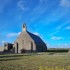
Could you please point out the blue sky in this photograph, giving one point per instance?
(50, 19)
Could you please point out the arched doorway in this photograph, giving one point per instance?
(16, 47)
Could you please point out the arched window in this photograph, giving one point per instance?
(31, 46)
(23, 41)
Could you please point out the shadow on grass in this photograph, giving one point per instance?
(18, 55)
(8, 59)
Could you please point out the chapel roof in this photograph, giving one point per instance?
(36, 38)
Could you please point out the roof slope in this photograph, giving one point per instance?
(36, 38)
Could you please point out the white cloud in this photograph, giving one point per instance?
(3, 42)
(21, 5)
(56, 38)
(62, 25)
(65, 3)
(54, 33)
(68, 27)
(58, 28)
(64, 45)
(13, 34)
(36, 33)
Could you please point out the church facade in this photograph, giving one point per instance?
(27, 42)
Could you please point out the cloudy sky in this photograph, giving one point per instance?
(50, 19)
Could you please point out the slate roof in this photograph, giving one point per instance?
(36, 38)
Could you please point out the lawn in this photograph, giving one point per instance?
(35, 61)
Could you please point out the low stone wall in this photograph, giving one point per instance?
(1, 48)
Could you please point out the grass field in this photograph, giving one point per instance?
(35, 61)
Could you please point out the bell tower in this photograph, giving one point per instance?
(24, 27)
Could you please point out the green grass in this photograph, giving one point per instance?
(34, 61)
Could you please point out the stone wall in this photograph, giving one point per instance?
(1, 48)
